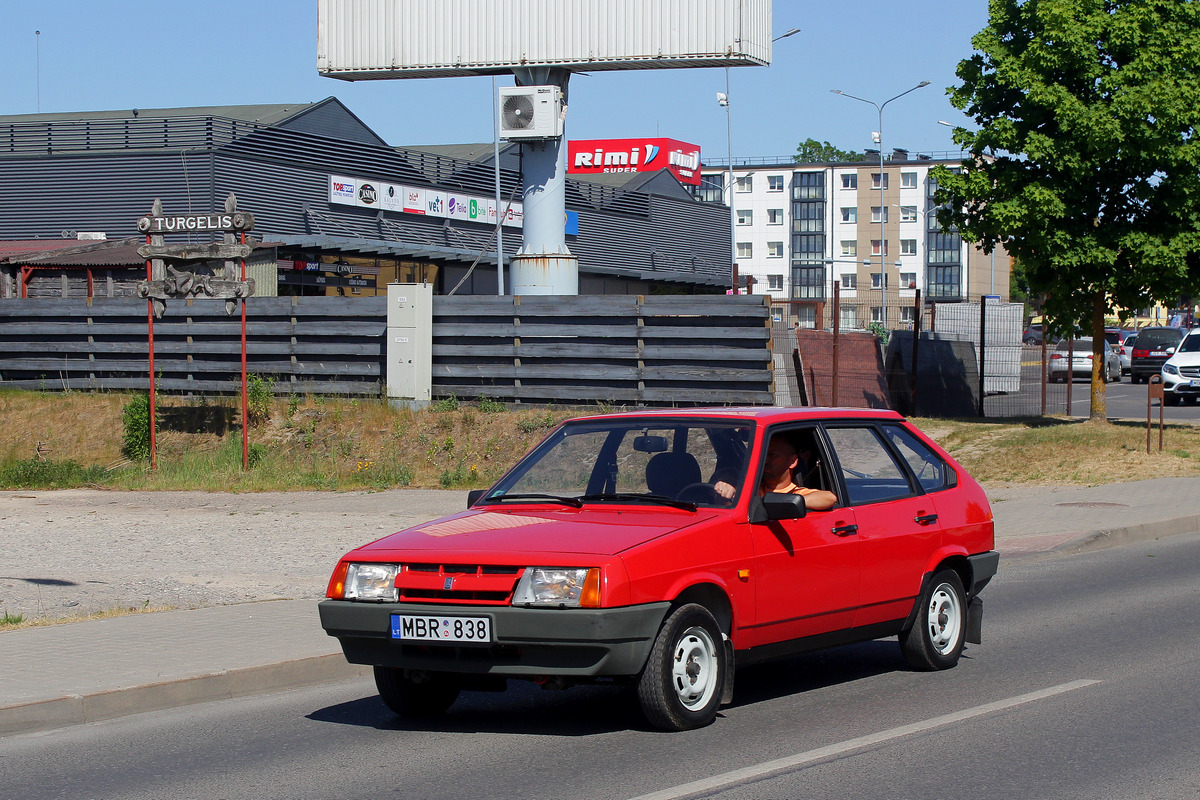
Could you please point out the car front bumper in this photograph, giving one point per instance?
(1181, 386)
(575, 642)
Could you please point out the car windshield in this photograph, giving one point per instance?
(1158, 338)
(1190, 344)
(662, 460)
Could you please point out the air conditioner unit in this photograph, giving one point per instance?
(530, 112)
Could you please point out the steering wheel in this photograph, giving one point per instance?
(702, 493)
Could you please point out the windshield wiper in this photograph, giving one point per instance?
(641, 497)
(573, 502)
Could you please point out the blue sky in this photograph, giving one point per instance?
(141, 54)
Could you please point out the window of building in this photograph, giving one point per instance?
(875, 247)
(943, 248)
(745, 216)
(876, 314)
(849, 180)
(849, 214)
(848, 317)
(850, 280)
(850, 248)
(879, 181)
(908, 280)
(808, 217)
(744, 184)
(774, 281)
(807, 316)
(808, 186)
(879, 214)
(774, 183)
(943, 282)
(875, 281)
(774, 216)
(908, 247)
(745, 250)
(808, 281)
(774, 249)
(907, 314)
(908, 213)
(808, 246)
(908, 180)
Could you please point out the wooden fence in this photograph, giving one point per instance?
(619, 349)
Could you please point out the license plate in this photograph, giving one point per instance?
(428, 628)
(1195, 383)
(1159, 353)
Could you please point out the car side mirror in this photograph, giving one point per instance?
(1170, 351)
(474, 495)
(777, 506)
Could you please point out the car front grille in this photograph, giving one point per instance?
(1190, 372)
(472, 584)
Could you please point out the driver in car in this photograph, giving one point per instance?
(782, 459)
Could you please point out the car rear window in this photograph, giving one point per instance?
(1084, 345)
(1154, 338)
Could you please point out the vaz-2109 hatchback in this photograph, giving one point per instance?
(644, 548)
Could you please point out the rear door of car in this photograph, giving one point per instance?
(897, 524)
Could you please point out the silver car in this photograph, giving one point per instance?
(1125, 350)
(1080, 361)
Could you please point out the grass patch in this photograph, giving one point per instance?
(15, 622)
(332, 444)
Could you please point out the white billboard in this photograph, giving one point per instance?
(366, 193)
(368, 39)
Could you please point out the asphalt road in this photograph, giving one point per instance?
(1085, 687)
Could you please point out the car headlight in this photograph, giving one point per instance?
(1170, 369)
(558, 586)
(375, 582)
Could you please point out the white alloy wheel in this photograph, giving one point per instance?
(944, 618)
(694, 669)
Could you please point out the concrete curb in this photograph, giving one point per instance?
(1113, 537)
(74, 709)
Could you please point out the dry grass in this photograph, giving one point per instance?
(320, 443)
(11, 623)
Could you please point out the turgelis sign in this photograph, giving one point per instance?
(611, 156)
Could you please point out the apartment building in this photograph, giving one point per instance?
(803, 231)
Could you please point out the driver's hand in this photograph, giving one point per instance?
(724, 489)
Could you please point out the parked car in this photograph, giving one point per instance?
(1154, 346)
(1125, 350)
(1033, 334)
(1181, 372)
(638, 549)
(1079, 363)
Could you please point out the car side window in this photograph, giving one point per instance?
(932, 472)
(870, 473)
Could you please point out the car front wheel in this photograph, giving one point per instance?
(415, 693)
(680, 687)
(935, 641)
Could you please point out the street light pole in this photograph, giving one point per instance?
(882, 204)
(723, 101)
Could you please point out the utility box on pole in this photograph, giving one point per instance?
(409, 343)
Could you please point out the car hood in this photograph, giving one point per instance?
(512, 531)
(1184, 359)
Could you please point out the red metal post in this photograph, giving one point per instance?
(150, 328)
(245, 397)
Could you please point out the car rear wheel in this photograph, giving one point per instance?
(680, 687)
(415, 693)
(935, 640)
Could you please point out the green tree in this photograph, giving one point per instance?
(810, 151)
(1086, 163)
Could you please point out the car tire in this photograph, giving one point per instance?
(415, 693)
(681, 685)
(935, 640)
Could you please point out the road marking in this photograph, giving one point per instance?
(780, 765)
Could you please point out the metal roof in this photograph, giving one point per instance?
(266, 114)
(383, 248)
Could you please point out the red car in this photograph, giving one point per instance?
(664, 548)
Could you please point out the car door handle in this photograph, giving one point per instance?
(844, 530)
(925, 519)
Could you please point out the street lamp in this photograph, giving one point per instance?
(882, 205)
(723, 102)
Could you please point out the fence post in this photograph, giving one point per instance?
(837, 324)
(912, 383)
(982, 341)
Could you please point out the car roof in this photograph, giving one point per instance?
(765, 414)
